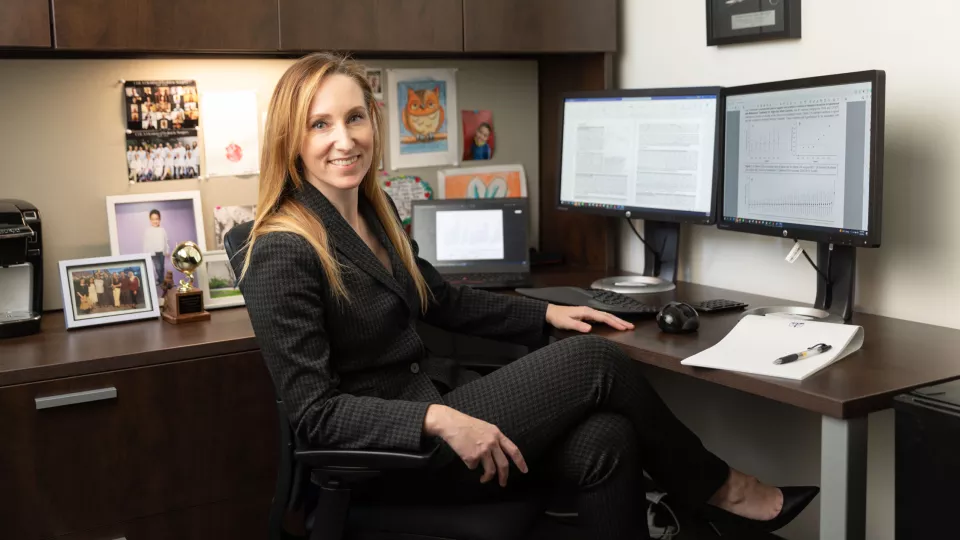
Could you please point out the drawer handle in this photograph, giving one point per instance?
(63, 400)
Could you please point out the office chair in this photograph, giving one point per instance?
(335, 472)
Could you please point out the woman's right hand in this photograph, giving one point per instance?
(475, 441)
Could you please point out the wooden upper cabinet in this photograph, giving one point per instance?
(372, 25)
(540, 26)
(24, 23)
(167, 25)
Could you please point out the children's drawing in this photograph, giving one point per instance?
(423, 132)
(404, 190)
(492, 182)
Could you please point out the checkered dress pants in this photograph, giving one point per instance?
(585, 417)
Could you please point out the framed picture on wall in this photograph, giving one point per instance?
(155, 223)
(105, 290)
(744, 21)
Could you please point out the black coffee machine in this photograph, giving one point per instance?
(21, 268)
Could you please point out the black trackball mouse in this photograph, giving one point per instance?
(678, 318)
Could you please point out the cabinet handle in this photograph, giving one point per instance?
(87, 396)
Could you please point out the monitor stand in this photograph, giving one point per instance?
(834, 302)
(659, 262)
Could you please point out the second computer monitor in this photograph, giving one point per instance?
(804, 158)
(650, 154)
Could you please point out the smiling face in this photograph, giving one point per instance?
(337, 150)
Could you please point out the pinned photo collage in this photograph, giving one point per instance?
(162, 118)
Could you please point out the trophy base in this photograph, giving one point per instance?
(193, 317)
(183, 307)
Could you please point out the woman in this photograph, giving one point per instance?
(334, 289)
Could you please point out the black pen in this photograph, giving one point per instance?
(816, 349)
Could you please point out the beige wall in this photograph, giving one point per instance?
(912, 276)
(62, 143)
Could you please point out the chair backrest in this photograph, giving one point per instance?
(235, 244)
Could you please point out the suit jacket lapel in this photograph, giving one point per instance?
(347, 242)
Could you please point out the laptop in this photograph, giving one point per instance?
(482, 243)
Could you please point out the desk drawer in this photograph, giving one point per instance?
(83, 452)
(230, 520)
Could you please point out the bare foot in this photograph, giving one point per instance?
(748, 497)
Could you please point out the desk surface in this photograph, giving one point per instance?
(896, 355)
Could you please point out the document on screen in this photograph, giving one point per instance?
(473, 235)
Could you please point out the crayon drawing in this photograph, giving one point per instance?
(423, 118)
(494, 182)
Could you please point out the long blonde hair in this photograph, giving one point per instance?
(282, 169)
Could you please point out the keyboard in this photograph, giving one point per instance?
(708, 306)
(491, 280)
(609, 301)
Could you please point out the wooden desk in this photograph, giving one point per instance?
(186, 394)
(896, 356)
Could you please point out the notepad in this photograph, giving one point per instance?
(756, 341)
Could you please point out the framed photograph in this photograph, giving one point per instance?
(375, 78)
(744, 21)
(228, 217)
(155, 223)
(218, 281)
(105, 290)
(487, 182)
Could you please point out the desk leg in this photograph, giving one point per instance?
(843, 479)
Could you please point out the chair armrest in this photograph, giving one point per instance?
(364, 459)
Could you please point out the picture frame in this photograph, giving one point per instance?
(488, 181)
(133, 227)
(218, 281)
(746, 21)
(95, 294)
(375, 78)
(422, 118)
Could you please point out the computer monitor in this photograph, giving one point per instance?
(651, 154)
(803, 159)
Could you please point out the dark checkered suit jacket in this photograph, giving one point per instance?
(356, 375)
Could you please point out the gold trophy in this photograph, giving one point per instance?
(185, 303)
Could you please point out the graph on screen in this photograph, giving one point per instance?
(792, 193)
(804, 140)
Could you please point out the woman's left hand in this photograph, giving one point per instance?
(575, 317)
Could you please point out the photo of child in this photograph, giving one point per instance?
(478, 136)
(156, 227)
(156, 243)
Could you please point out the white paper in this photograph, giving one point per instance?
(230, 133)
(422, 117)
(753, 20)
(472, 235)
(756, 341)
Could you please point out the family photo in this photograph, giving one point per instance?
(161, 105)
(102, 290)
(158, 156)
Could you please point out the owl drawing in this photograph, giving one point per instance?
(423, 114)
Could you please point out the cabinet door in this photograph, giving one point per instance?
(540, 25)
(228, 520)
(372, 25)
(140, 442)
(24, 23)
(174, 25)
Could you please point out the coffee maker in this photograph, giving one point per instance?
(21, 268)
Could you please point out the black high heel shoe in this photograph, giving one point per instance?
(795, 499)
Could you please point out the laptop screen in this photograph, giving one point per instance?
(459, 236)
